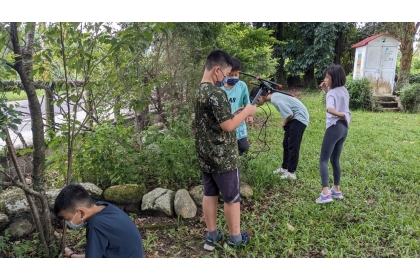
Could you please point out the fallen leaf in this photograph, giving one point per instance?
(387, 151)
(411, 142)
(324, 252)
(370, 201)
(290, 227)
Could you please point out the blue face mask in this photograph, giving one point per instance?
(232, 81)
(73, 226)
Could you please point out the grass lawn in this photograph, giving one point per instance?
(379, 216)
(11, 96)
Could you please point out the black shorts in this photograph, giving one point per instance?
(227, 183)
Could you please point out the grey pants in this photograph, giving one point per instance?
(332, 145)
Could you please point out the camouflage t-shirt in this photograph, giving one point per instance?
(217, 150)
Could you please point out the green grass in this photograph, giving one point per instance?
(379, 216)
(13, 96)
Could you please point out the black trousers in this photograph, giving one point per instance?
(293, 132)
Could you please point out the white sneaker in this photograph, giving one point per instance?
(280, 170)
(288, 175)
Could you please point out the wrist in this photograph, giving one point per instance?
(71, 254)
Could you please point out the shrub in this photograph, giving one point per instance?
(360, 91)
(410, 97)
(414, 78)
(163, 157)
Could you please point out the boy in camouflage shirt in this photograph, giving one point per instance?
(217, 150)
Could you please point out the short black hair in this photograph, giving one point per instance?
(254, 92)
(218, 57)
(337, 74)
(236, 64)
(71, 197)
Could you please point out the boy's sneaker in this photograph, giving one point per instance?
(288, 175)
(211, 243)
(324, 198)
(231, 243)
(280, 170)
(335, 194)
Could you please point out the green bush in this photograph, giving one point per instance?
(414, 78)
(360, 91)
(410, 97)
(163, 157)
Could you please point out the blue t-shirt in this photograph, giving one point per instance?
(112, 234)
(238, 98)
(287, 105)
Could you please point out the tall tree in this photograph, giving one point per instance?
(406, 32)
(22, 63)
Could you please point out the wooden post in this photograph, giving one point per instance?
(49, 108)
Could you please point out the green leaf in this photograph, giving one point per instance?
(114, 41)
(74, 98)
(13, 126)
(17, 121)
(148, 36)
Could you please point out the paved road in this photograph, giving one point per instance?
(25, 127)
(24, 107)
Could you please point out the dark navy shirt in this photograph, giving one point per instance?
(112, 234)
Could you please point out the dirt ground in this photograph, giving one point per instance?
(163, 237)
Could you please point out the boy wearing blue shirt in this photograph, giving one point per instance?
(237, 92)
(110, 232)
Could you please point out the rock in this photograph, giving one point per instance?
(246, 191)
(51, 196)
(4, 221)
(197, 194)
(20, 228)
(184, 205)
(13, 202)
(159, 200)
(125, 194)
(94, 191)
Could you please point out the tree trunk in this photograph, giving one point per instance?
(140, 119)
(23, 66)
(280, 75)
(338, 47)
(309, 79)
(406, 49)
(31, 202)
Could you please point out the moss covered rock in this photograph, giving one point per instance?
(246, 191)
(125, 194)
(4, 221)
(197, 194)
(13, 202)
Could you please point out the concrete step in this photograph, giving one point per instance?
(388, 104)
(390, 109)
(384, 97)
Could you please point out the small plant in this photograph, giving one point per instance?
(133, 216)
(360, 91)
(410, 97)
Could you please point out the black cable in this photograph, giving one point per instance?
(263, 131)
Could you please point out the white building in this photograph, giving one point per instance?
(376, 58)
